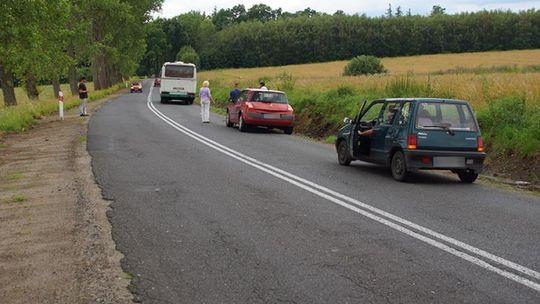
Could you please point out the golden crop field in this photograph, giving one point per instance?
(477, 87)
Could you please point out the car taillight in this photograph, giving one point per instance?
(480, 144)
(411, 141)
(249, 105)
(289, 108)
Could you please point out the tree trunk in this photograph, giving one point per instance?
(56, 86)
(99, 72)
(31, 87)
(99, 60)
(6, 81)
(73, 81)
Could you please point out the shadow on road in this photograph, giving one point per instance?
(420, 177)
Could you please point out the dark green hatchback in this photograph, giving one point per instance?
(414, 134)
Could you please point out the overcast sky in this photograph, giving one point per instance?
(173, 8)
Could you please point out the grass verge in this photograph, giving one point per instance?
(22, 116)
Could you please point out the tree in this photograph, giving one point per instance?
(261, 12)
(188, 54)
(389, 13)
(399, 12)
(437, 10)
(31, 42)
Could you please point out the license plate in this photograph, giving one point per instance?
(272, 116)
(449, 161)
(178, 89)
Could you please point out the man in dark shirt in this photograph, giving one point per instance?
(83, 97)
(233, 95)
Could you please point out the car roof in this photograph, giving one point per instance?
(424, 99)
(262, 90)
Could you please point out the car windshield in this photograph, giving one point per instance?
(269, 97)
(179, 71)
(446, 116)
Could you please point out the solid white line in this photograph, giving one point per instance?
(312, 187)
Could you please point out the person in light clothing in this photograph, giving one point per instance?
(206, 97)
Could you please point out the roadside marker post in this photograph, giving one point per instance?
(61, 104)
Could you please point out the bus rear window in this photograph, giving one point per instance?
(178, 71)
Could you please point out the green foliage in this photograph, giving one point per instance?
(489, 70)
(188, 54)
(330, 139)
(364, 65)
(275, 38)
(286, 81)
(406, 86)
(510, 125)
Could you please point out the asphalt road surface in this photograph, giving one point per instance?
(206, 214)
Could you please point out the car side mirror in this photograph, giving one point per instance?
(347, 120)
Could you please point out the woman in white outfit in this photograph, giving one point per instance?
(206, 98)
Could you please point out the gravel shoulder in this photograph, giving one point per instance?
(55, 239)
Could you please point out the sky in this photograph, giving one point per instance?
(171, 8)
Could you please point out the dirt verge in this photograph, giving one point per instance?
(55, 239)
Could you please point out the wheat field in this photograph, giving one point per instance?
(476, 87)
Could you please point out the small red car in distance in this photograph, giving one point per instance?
(256, 107)
(157, 82)
(136, 87)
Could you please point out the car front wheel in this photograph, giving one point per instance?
(399, 167)
(344, 158)
(467, 176)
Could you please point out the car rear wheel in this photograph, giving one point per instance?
(344, 158)
(163, 100)
(288, 130)
(399, 167)
(467, 176)
(242, 126)
(228, 122)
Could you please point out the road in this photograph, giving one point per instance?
(206, 214)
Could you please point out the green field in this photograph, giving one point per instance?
(503, 87)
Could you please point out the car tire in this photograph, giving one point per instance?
(398, 166)
(344, 157)
(242, 126)
(131, 91)
(163, 100)
(288, 130)
(467, 176)
(228, 122)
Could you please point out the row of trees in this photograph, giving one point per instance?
(262, 36)
(46, 40)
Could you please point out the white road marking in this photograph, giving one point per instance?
(342, 200)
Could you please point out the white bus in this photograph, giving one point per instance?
(178, 82)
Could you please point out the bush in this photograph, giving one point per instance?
(363, 65)
(188, 54)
